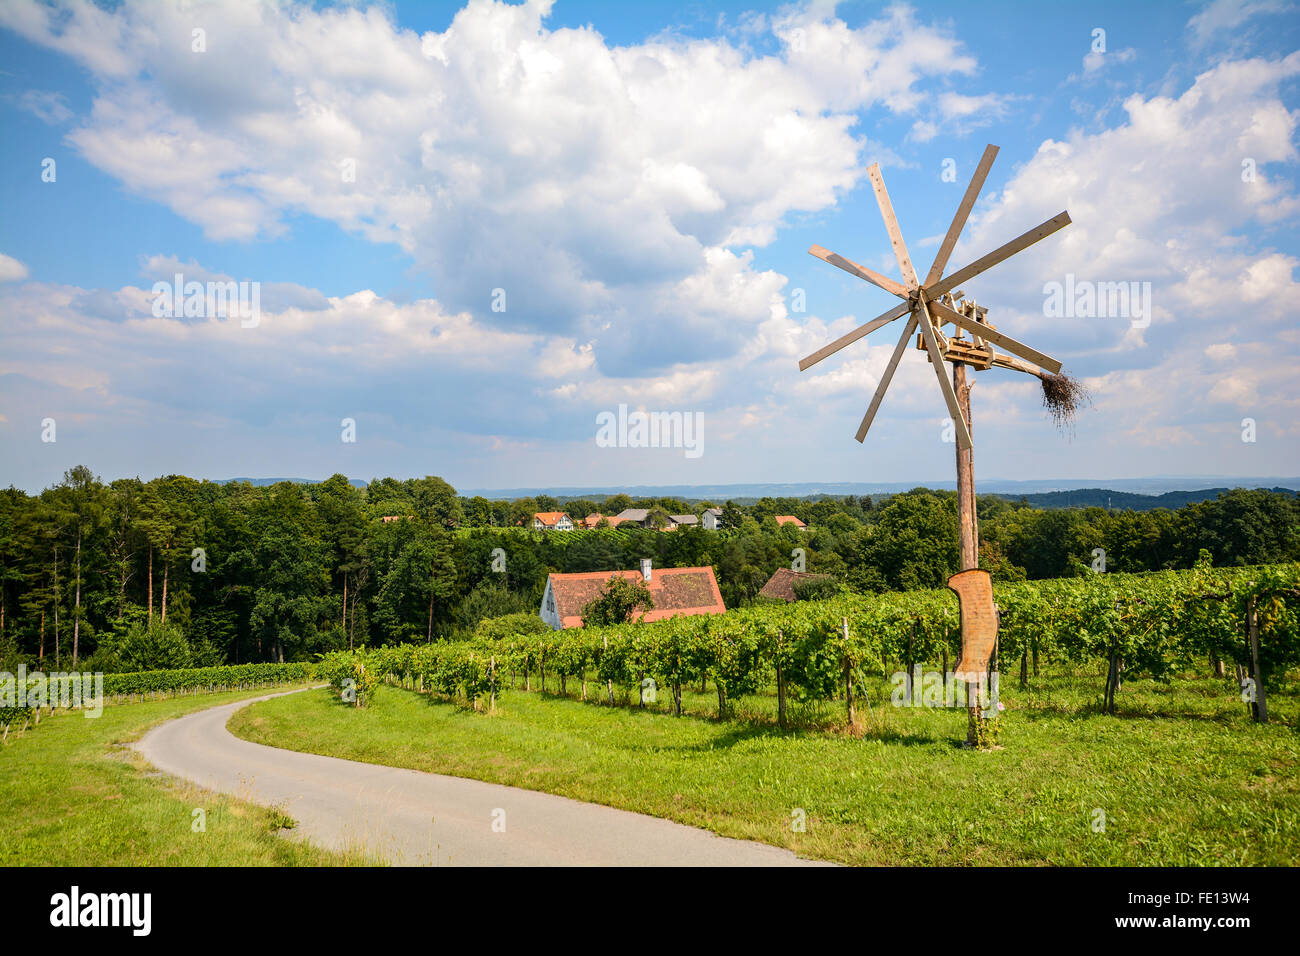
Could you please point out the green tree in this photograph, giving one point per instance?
(620, 599)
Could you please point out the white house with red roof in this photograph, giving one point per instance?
(552, 521)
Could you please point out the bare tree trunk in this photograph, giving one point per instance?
(344, 622)
(166, 567)
(41, 655)
(151, 585)
(430, 638)
(56, 606)
(76, 614)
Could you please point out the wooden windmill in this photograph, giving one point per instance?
(929, 306)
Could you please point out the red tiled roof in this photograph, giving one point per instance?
(790, 519)
(550, 517)
(675, 591)
(781, 583)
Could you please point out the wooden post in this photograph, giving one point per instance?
(967, 527)
(609, 683)
(780, 680)
(848, 676)
(1260, 707)
(492, 681)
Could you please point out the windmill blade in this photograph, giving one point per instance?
(993, 335)
(997, 255)
(891, 224)
(901, 309)
(945, 386)
(862, 272)
(959, 219)
(885, 378)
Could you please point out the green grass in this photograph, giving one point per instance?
(1182, 777)
(72, 793)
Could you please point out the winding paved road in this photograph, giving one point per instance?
(411, 818)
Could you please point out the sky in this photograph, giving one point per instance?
(477, 230)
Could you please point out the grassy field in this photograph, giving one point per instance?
(1180, 774)
(73, 794)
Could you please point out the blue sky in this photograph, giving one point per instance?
(643, 182)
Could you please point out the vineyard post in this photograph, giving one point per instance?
(492, 680)
(609, 682)
(848, 673)
(780, 678)
(1259, 706)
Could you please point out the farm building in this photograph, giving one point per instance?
(675, 591)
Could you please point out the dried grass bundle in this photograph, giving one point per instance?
(1063, 396)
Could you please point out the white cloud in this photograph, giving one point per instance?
(11, 270)
(1220, 17)
(581, 177)
(47, 106)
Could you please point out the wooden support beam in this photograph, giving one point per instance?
(886, 377)
(862, 272)
(891, 224)
(848, 339)
(941, 370)
(1007, 361)
(963, 211)
(997, 338)
(984, 263)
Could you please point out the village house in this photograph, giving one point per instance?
(675, 592)
(637, 516)
(552, 521)
(712, 519)
(791, 519)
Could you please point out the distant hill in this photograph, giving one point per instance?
(1141, 490)
(263, 482)
(1137, 494)
(1121, 500)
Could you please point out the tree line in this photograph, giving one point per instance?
(176, 572)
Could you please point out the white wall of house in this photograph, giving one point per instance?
(549, 612)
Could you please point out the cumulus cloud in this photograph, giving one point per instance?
(592, 183)
(11, 270)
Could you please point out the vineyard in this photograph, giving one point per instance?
(152, 685)
(1235, 623)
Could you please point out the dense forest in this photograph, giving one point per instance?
(178, 572)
